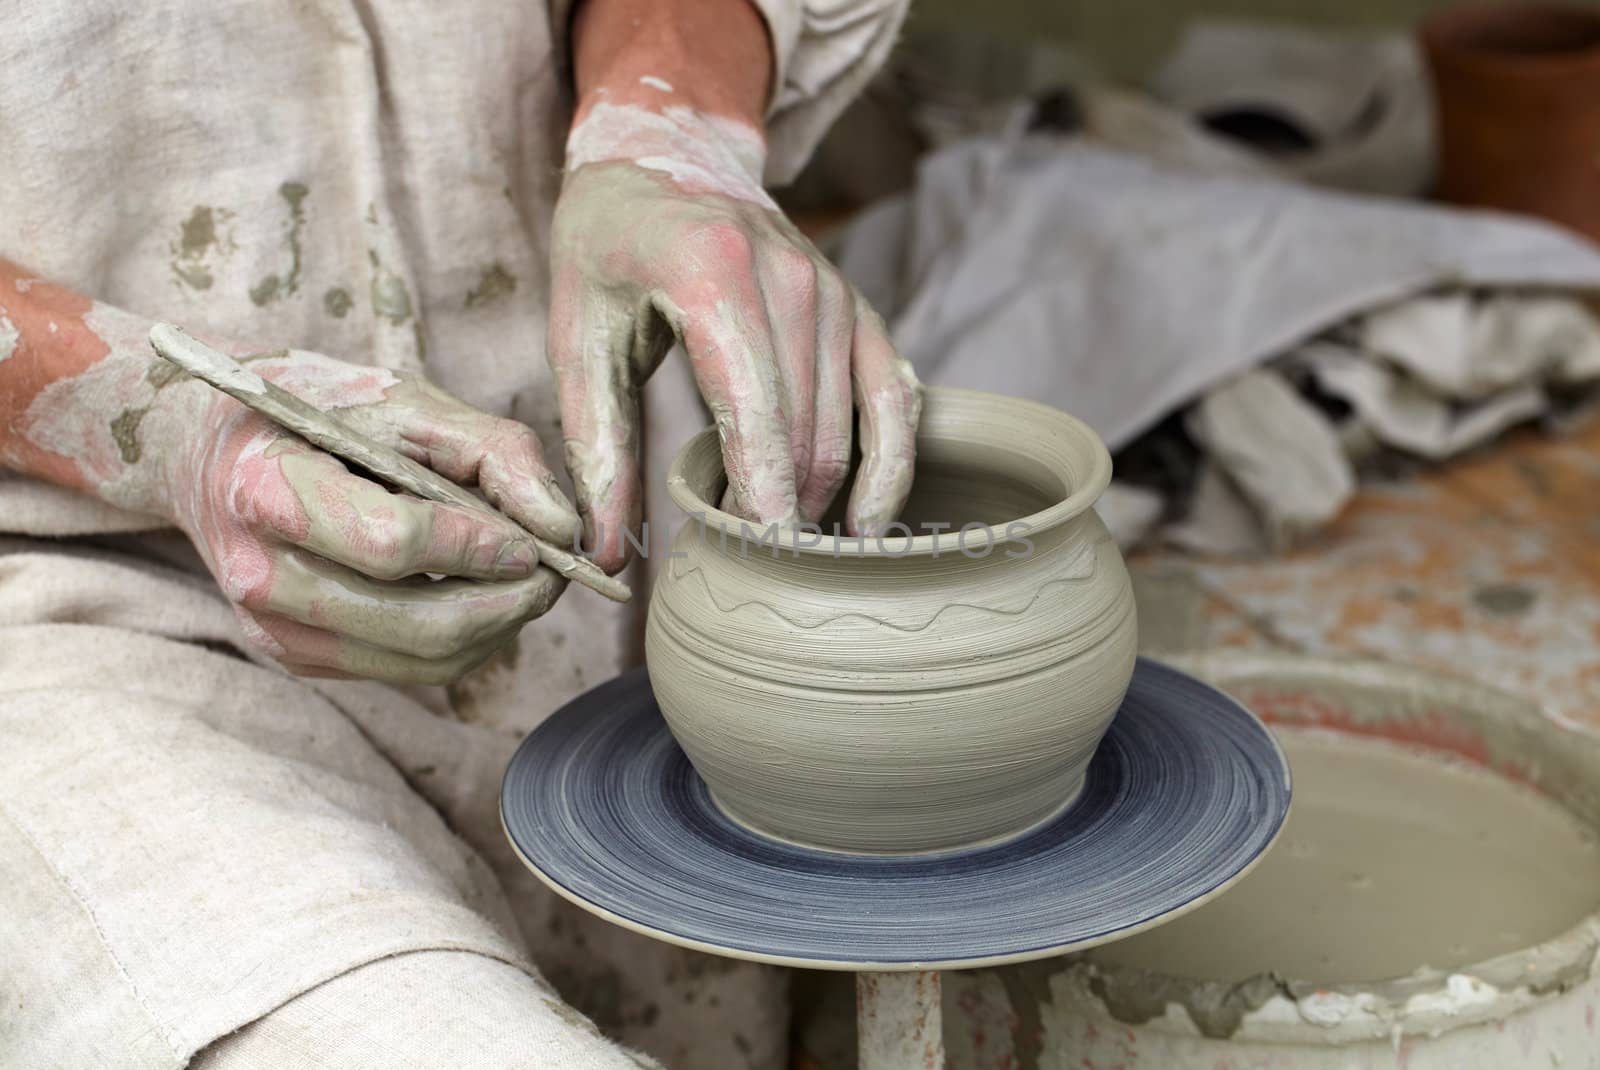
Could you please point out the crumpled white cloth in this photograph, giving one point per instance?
(1429, 377)
(1282, 454)
(1122, 287)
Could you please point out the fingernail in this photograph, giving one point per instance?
(871, 524)
(567, 527)
(517, 561)
(562, 516)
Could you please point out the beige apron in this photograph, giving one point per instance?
(190, 839)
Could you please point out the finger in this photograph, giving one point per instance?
(306, 650)
(589, 342)
(830, 451)
(514, 476)
(889, 401)
(357, 523)
(725, 330)
(503, 458)
(788, 282)
(424, 618)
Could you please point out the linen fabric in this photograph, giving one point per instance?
(194, 842)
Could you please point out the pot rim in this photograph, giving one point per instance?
(1446, 37)
(1084, 443)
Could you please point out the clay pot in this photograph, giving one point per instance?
(1517, 91)
(909, 694)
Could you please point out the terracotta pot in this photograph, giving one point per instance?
(915, 693)
(1517, 90)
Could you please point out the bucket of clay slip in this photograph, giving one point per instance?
(1517, 94)
(1440, 915)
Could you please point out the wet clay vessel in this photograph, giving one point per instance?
(934, 690)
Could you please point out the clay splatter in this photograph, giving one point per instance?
(163, 372)
(494, 283)
(125, 430)
(274, 287)
(295, 194)
(125, 426)
(419, 338)
(703, 153)
(389, 297)
(265, 291)
(337, 302)
(191, 252)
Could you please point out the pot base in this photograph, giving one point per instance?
(755, 829)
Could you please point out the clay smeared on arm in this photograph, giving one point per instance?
(663, 232)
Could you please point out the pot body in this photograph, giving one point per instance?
(1517, 92)
(889, 702)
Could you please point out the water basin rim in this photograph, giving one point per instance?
(1423, 1001)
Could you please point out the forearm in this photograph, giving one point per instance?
(711, 55)
(84, 401)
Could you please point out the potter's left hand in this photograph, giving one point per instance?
(663, 230)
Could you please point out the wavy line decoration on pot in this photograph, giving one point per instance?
(1080, 568)
(924, 692)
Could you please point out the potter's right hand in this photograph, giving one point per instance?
(327, 570)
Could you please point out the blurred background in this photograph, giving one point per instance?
(1272, 251)
(1128, 39)
(1323, 275)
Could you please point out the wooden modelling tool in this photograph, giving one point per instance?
(326, 432)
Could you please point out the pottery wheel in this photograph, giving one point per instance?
(1186, 792)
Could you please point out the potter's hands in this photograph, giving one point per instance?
(663, 230)
(326, 569)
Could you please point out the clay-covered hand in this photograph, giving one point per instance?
(663, 231)
(330, 572)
